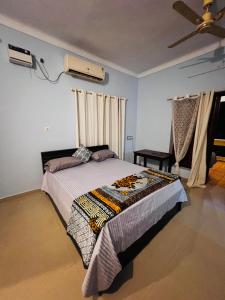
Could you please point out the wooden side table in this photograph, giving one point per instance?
(155, 155)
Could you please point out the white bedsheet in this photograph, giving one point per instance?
(64, 186)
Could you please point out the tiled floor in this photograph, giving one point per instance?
(217, 173)
(185, 261)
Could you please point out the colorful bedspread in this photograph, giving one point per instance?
(92, 210)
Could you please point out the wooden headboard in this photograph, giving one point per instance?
(46, 156)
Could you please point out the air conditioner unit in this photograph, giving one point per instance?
(76, 66)
(20, 56)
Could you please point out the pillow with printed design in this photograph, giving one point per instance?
(83, 154)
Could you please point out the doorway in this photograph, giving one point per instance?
(216, 142)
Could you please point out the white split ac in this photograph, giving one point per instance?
(76, 66)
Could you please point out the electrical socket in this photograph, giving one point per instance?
(130, 137)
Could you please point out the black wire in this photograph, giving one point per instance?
(45, 69)
(45, 73)
(35, 73)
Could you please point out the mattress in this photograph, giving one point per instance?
(64, 186)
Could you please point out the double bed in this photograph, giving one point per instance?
(123, 231)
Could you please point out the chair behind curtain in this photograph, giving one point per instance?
(100, 119)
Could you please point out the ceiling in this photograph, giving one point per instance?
(133, 34)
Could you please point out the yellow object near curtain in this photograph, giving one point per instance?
(100, 119)
(197, 176)
(219, 142)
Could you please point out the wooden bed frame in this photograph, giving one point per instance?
(130, 253)
(46, 156)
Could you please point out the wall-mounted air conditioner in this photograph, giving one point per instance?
(20, 56)
(76, 66)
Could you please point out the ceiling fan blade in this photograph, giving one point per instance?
(183, 39)
(217, 31)
(187, 12)
(220, 14)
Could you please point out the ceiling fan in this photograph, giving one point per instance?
(204, 23)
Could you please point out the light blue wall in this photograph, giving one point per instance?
(28, 104)
(154, 112)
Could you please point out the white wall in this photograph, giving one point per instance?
(28, 104)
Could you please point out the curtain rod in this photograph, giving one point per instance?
(90, 93)
(79, 91)
(183, 97)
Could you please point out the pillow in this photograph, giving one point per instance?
(57, 164)
(83, 154)
(103, 155)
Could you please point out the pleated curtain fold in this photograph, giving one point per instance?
(183, 125)
(191, 115)
(197, 176)
(100, 119)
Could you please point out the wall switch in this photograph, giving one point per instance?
(46, 128)
(130, 137)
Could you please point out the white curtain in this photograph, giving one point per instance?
(183, 124)
(100, 119)
(197, 177)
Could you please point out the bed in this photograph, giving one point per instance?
(115, 244)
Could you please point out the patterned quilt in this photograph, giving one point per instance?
(92, 210)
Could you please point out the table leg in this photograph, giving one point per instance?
(169, 165)
(145, 162)
(160, 165)
(135, 158)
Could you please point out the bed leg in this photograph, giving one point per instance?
(179, 206)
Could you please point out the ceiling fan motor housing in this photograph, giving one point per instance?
(208, 21)
(207, 3)
(207, 17)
